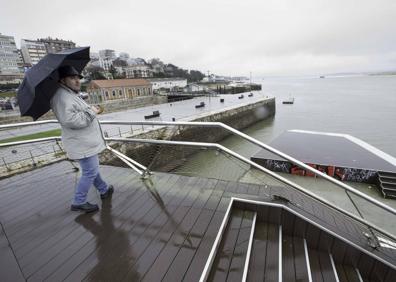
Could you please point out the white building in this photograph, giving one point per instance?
(105, 63)
(138, 71)
(167, 83)
(107, 54)
(32, 51)
(55, 45)
(10, 62)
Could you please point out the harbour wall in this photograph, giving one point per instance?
(166, 157)
(109, 106)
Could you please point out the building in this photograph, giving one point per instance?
(124, 56)
(55, 45)
(105, 63)
(116, 89)
(167, 83)
(107, 54)
(10, 62)
(138, 71)
(32, 51)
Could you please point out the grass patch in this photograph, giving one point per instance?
(49, 133)
(8, 94)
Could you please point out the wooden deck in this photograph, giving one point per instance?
(155, 230)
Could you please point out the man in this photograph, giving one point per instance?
(81, 136)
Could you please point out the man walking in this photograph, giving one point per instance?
(81, 136)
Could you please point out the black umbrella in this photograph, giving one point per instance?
(41, 81)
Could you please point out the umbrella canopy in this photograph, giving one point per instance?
(41, 81)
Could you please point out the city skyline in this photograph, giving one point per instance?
(224, 37)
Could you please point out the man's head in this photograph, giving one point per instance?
(70, 77)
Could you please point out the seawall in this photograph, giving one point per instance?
(166, 158)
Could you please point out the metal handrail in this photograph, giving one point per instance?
(259, 167)
(268, 148)
(244, 136)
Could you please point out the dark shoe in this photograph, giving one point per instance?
(87, 207)
(108, 193)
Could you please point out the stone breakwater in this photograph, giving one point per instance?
(166, 157)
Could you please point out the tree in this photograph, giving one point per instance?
(95, 72)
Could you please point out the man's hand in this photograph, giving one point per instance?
(97, 109)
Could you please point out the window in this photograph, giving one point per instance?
(114, 93)
(107, 94)
(120, 93)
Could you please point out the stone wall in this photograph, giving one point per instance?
(166, 158)
(109, 106)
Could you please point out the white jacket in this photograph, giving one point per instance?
(81, 132)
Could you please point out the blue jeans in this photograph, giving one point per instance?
(90, 175)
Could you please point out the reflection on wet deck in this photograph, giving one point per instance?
(162, 228)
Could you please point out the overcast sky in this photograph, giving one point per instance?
(266, 37)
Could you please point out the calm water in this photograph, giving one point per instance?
(362, 106)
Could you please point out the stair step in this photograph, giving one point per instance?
(321, 266)
(347, 273)
(387, 180)
(388, 192)
(387, 174)
(231, 255)
(388, 186)
(264, 258)
(294, 263)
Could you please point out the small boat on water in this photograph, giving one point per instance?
(322, 76)
(200, 105)
(288, 101)
(153, 115)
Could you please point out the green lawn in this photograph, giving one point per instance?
(7, 94)
(49, 133)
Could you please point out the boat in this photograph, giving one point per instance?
(153, 115)
(288, 101)
(200, 105)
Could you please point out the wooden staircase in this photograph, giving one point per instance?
(262, 243)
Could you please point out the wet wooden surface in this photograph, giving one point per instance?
(161, 229)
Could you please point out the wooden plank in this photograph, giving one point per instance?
(185, 255)
(316, 271)
(259, 251)
(341, 273)
(288, 258)
(272, 260)
(235, 271)
(181, 237)
(9, 268)
(300, 261)
(351, 274)
(197, 264)
(150, 251)
(224, 254)
(326, 267)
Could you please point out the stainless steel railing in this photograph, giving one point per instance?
(232, 153)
